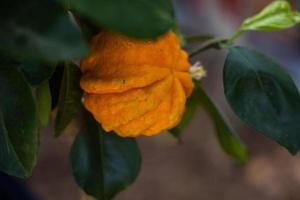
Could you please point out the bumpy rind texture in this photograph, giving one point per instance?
(136, 87)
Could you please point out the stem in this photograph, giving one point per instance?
(211, 44)
(235, 36)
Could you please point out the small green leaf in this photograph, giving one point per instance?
(190, 110)
(103, 164)
(69, 101)
(36, 73)
(38, 30)
(228, 140)
(137, 18)
(18, 123)
(276, 16)
(263, 95)
(43, 98)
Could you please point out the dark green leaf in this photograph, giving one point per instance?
(18, 124)
(43, 98)
(136, 18)
(87, 28)
(69, 101)
(103, 164)
(36, 73)
(228, 140)
(263, 95)
(38, 30)
(190, 109)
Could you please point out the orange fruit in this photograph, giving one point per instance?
(136, 87)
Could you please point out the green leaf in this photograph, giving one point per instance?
(103, 164)
(190, 110)
(263, 95)
(69, 101)
(135, 18)
(227, 138)
(36, 73)
(87, 28)
(38, 30)
(18, 124)
(276, 16)
(43, 98)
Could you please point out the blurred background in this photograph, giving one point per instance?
(197, 168)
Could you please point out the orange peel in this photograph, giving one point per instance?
(136, 87)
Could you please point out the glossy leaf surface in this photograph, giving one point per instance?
(263, 95)
(18, 124)
(135, 18)
(103, 164)
(38, 30)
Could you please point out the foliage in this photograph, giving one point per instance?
(18, 123)
(69, 101)
(103, 164)
(46, 34)
(259, 90)
(38, 35)
(141, 18)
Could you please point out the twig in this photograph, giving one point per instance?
(211, 44)
(198, 38)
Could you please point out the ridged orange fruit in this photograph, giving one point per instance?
(136, 87)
